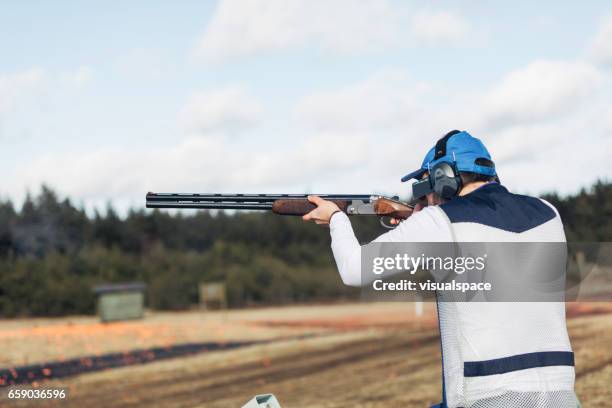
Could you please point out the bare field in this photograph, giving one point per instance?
(361, 355)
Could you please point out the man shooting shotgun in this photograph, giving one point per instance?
(495, 354)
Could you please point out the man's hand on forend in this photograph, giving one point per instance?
(322, 214)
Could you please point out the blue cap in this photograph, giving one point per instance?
(462, 149)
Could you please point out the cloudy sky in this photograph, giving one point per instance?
(106, 102)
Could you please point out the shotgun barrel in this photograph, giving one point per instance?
(237, 201)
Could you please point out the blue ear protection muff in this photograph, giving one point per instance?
(443, 178)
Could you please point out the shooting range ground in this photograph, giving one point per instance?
(357, 355)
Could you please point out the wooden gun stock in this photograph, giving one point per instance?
(386, 207)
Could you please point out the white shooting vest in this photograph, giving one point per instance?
(502, 354)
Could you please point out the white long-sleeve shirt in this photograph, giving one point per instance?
(427, 225)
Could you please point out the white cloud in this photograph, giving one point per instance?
(538, 118)
(192, 165)
(17, 86)
(562, 156)
(231, 109)
(20, 88)
(388, 99)
(356, 138)
(363, 138)
(441, 27)
(541, 90)
(600, 48)
(249, 27)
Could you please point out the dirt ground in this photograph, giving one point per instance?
(360, 355)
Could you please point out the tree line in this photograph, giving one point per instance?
(52, 253)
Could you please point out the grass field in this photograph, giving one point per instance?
(357, 355)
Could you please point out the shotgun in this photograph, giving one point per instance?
(285, 204)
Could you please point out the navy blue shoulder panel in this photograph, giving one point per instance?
(494, 206)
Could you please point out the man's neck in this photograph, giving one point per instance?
(471, 187)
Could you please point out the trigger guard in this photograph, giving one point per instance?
(385, 224)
